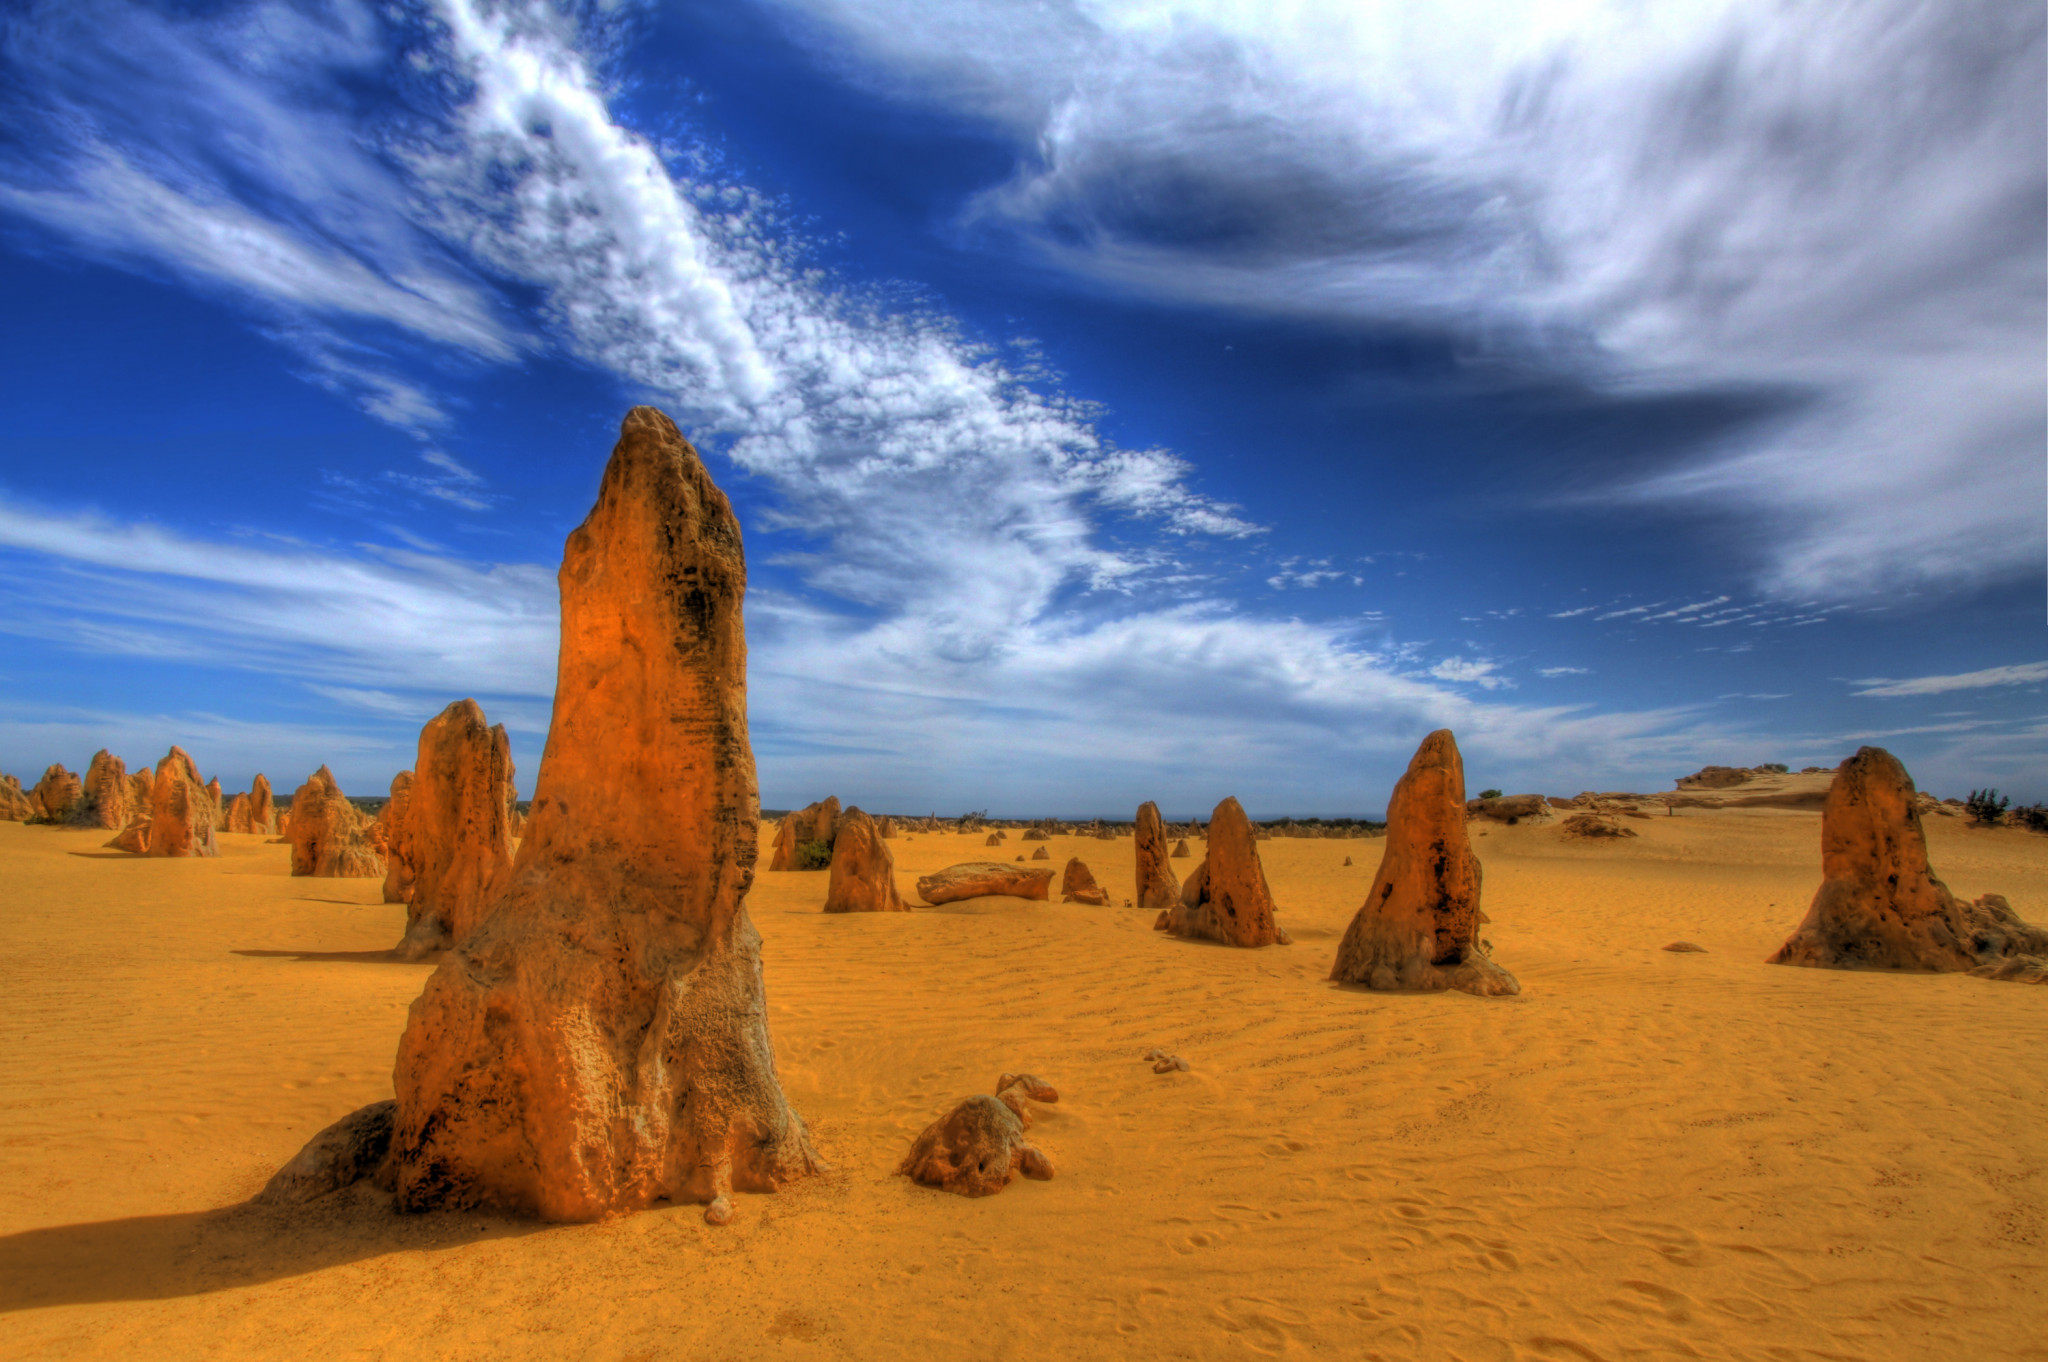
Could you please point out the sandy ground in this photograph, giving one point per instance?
(1646, 1155)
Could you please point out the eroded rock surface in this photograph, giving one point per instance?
(105, 802)
(1226, 899)
(1158, 886)
(182, 817)
(1594, 825)
(14, 802)
(56, 796)
(1879, 905)
(979, 1146)
(863, 870)
(978, 879)
(331, 838)
(457, 839)
(397, 855)
(1418, 930)
(600, 1042)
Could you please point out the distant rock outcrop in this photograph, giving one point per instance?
(1158, 886)
(1509, 808)
(220, 804)
(57, 795)
(1042, 854)
(1594, 825)
(1418, 930)
(1180, 850)
(456, 838)
(1078, 885)
(811, 825)
(331, 838)
(1879, 905)
(182, 817)
(397, 855)
(600, 1042)
(1226, 899)
(863, 870)
(885, 827)
(14, 802)
(979, 1146)
(979, 879)
(254, 812)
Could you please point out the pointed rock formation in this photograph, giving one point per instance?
(885, 827)
(14, 805)
(104, 802)
(1180, 850)
(182, 817)
(397, 854)
(254, 812)
(1879, 905)
(220, 804)
(456, 838)
(811, 826)
(983, 879)
(600, 1042)
(1078, 885)
(133, 838)
(57, 795)
(331, 838)
(1226, 899)
(141, 792)
(1418, 930)
(863, 870)
(1158, 886)
(1042, 854)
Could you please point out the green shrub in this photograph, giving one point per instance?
(1985, 806)
(1489, 794)
(2032, 817)
(813, 855)
(1780, 767)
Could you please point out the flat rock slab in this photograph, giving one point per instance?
(981, 879)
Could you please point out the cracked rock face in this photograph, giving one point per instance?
(1418, 930)
(600, 1041)
(1879, 905)
(182, 816)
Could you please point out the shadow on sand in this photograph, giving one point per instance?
(159, 1257)
(344, 957)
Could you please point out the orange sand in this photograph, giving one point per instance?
(1646, 1155)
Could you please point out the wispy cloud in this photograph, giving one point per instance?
(1563, 671)
(2019, 674)
(1839, 207)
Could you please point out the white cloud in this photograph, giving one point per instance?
(2019, 674)
(1469, 671)
(1840, 205)
(1563, 671)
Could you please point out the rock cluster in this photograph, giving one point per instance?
(1509, 808)
(979, 1146)
(455, 835)
(979, 879)
(1879, 905)
(1418, 930)
(600, 1042)
(1078, 885)
(1158, 886)
(813, 823)
(331, 838)
(1594, 825)
(863, 870)
(1226, 899)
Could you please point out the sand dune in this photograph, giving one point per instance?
(1645, 1155)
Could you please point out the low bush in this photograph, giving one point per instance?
(813, 855)
(1985, 806)
(2032, 817)
(1489, 794)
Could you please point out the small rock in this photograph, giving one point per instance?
(719, 1212)
(1686, 948)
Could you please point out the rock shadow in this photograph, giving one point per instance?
(162, 1257)
(343, 957)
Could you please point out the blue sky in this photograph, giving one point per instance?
(1121, 401)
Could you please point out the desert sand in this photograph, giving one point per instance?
(1645, 1155)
